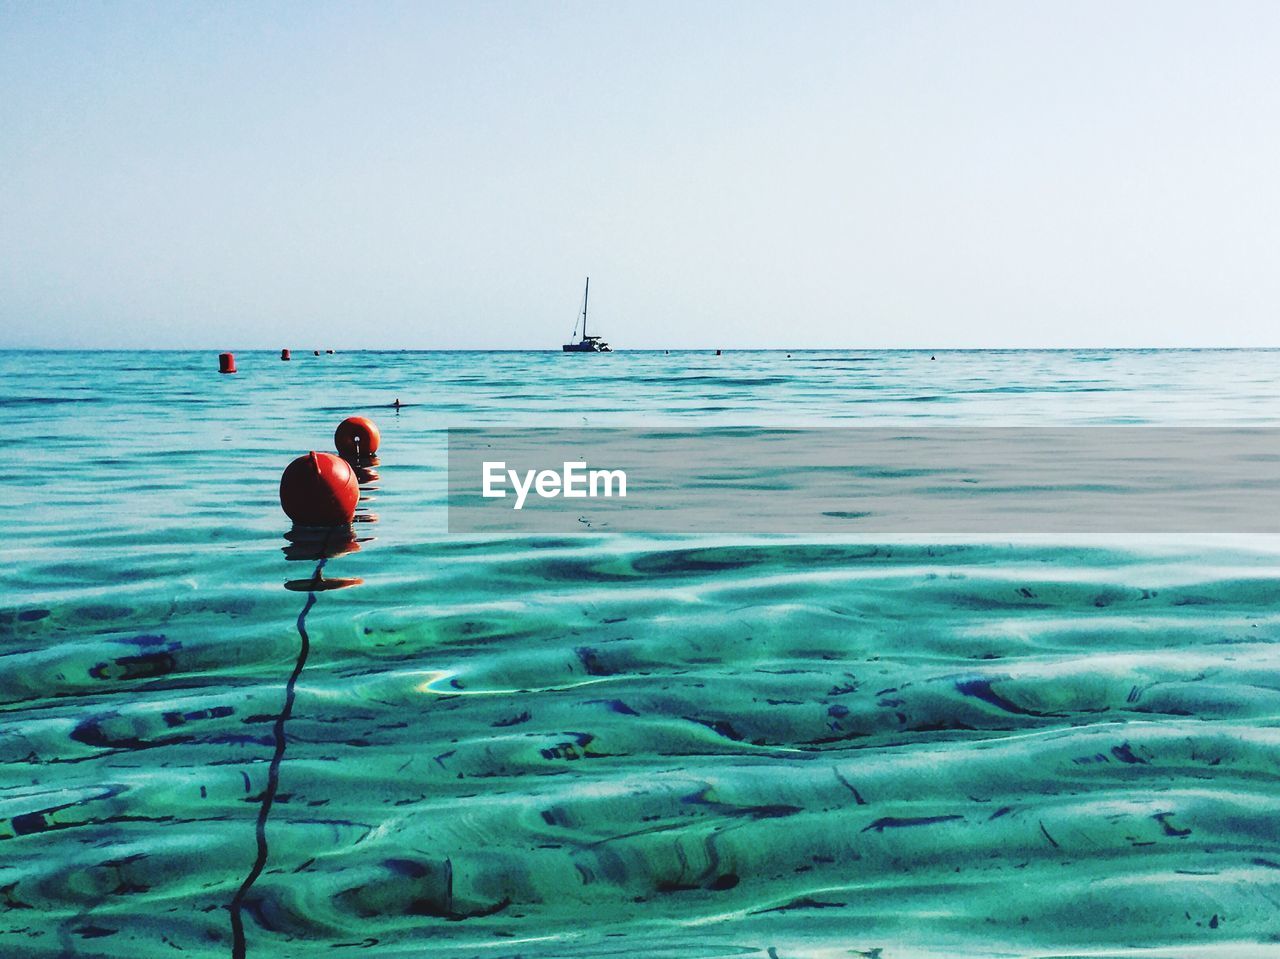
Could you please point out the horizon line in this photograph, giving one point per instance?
(302, 351)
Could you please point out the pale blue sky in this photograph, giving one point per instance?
(443, 175)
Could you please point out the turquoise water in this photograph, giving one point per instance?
(613, 746)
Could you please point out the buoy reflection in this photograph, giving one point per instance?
(312, 543)
(366, 471)
(320, 583)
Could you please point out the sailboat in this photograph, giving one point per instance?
(588, 344)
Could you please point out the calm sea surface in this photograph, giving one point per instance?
(608, 745)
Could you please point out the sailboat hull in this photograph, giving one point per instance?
(586, 346)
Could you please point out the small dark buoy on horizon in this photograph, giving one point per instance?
(315, 352)
(284, 355)
(226, 362)
(328, 351)
(356, 437)
(319, 489)
(717, 352)
(933, 357)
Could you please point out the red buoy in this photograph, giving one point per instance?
(284, 355)
(319, 489)
(356, 438)
(226, 362)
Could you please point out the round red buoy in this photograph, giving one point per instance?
(284, 355)
(319, 489)
(356, 437)
(226, 362)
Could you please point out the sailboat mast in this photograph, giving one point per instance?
(585, 294)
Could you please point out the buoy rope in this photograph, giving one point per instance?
(273, 771)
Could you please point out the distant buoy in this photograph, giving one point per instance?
(356, 437)
(319, 489)
(315, 352)
(717, 352)
(284, 355)
(226, 362)
(329, 351)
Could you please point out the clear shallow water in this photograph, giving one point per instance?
(614, 746)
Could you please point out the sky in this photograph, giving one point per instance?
(439, 175)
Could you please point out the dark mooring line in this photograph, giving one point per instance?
(273, 777)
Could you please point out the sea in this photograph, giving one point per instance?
(219, 738)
